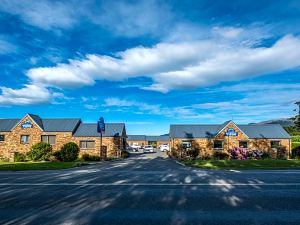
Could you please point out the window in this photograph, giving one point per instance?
(218, 144)
(49, 139)
(87, 144)
(24, 139)
(243, 144)
(2, 138)
(275, 144)
(187, 144)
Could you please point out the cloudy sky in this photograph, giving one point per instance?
(150, 63)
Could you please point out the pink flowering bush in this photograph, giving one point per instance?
(245, 153)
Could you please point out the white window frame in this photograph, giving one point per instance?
(244, 141)
(218, 148)
(48, 139)
(85, 141)
(21, 140)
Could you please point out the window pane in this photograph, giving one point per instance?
(2, 138)
(218, 144)
(82, 144)
(90, 144)
(52, 139)
(243, 144)
(275, 144)
(25, 139)
(186, 144)
(45, 138)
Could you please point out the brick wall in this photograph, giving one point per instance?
(205, 145)
(13, 143)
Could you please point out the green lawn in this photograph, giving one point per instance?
(244, 164)
(38, 165)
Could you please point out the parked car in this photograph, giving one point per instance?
(148, 149)
(135, 148)
(164, 147)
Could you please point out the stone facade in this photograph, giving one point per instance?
(12, 142)
(206, 148)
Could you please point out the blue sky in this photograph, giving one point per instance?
(150, 63)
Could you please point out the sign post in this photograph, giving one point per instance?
(101, 128)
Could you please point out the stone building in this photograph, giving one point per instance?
(212, 138)
(18, 135)
(142, 140)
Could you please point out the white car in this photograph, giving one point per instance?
(148, 149)
(164, 147)
(135, 148)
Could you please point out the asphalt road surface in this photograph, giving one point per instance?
(149, 189)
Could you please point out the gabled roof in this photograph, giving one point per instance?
(274, 131)
(91, 130)
(136, 137)
(7, 124)
(157, 138)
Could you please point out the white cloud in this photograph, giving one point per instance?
(6, 46)
(138, 107)
(133, 18)
(43, 14)
(175, 65)
(30, 94)
(228, 32)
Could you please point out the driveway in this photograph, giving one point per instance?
(149, 189)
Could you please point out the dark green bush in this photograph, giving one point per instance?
(265, 155)
(19, 157)
(221, 155)
(69, 152)
(87, 157)
(124, 154)
(295, 144)
(40, 151)
(57, 156)
(296, 153)
(281, 152)
(193, 153)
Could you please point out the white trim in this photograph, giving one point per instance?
(22, 119)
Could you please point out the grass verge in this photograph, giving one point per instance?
(38, 165)
(244, 164)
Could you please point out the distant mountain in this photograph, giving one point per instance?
(285, 122)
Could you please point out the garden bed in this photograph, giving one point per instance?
(244, 164)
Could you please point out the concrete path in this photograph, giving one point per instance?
(149, 189)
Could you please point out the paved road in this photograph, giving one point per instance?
(149, 189)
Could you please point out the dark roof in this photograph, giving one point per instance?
(37, 120)
(209, 131)
(7, 124)
(91, 130)
(136, 137)
(157, 138)
(60, 125)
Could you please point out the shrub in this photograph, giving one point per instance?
(69, 152)
(124, 154)
(19, 157)
(295, 144)
(192, 153)
(296, 139)
(296, 153)
(57, 156)
(239, 153)
(40, 151)
(87, 157)
(221, 155)
(265, 155)
(281, 152)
